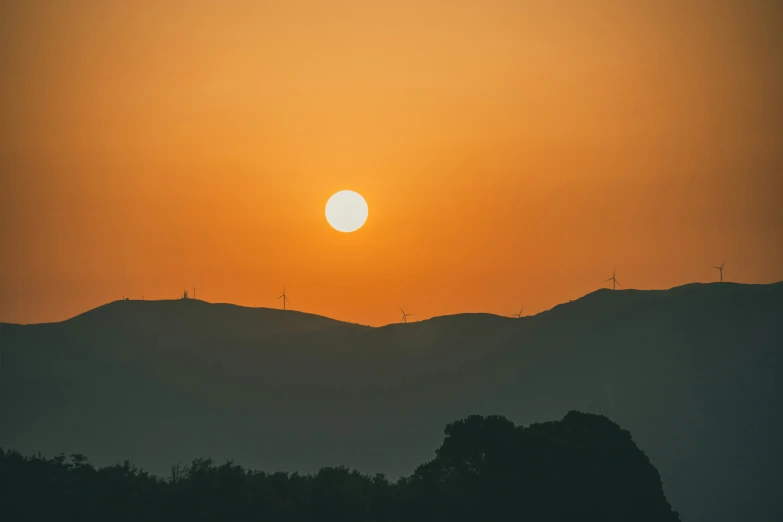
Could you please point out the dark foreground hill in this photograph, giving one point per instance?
(694, 372)
(583, 468)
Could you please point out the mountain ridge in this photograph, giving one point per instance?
(224, 306)
(695, 372)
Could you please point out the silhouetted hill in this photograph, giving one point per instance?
(694, 372)
(194, 317)
(582, 468)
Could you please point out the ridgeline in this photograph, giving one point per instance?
(693, 372)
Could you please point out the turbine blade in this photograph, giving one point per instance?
(608, 280)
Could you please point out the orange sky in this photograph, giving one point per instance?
(511, 153)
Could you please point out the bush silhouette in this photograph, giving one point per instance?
(581, 468)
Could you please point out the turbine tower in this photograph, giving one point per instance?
(404, 315)
(285, 298)
(519, 315)
(613, 279)
(720, 268)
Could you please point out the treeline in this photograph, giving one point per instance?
(582, 468)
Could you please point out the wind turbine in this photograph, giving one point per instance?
(519, 315)
(721, 270)
(285, 298)
(404, 315)
(613, 279)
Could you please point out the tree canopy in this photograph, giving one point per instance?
(583, 467)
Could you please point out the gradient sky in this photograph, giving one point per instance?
(511, 153)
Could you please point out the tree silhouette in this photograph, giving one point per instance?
(582, 468)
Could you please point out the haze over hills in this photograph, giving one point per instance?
(693, 372)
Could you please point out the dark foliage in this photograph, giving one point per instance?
(583, 468)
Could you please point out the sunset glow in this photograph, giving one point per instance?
(512, 153)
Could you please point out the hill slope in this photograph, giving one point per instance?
(694, 372)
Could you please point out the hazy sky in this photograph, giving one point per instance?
(511, 153)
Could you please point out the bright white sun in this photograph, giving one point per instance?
(346, 211)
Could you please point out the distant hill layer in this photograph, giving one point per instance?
(694, 372)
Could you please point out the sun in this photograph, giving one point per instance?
(346, 211)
